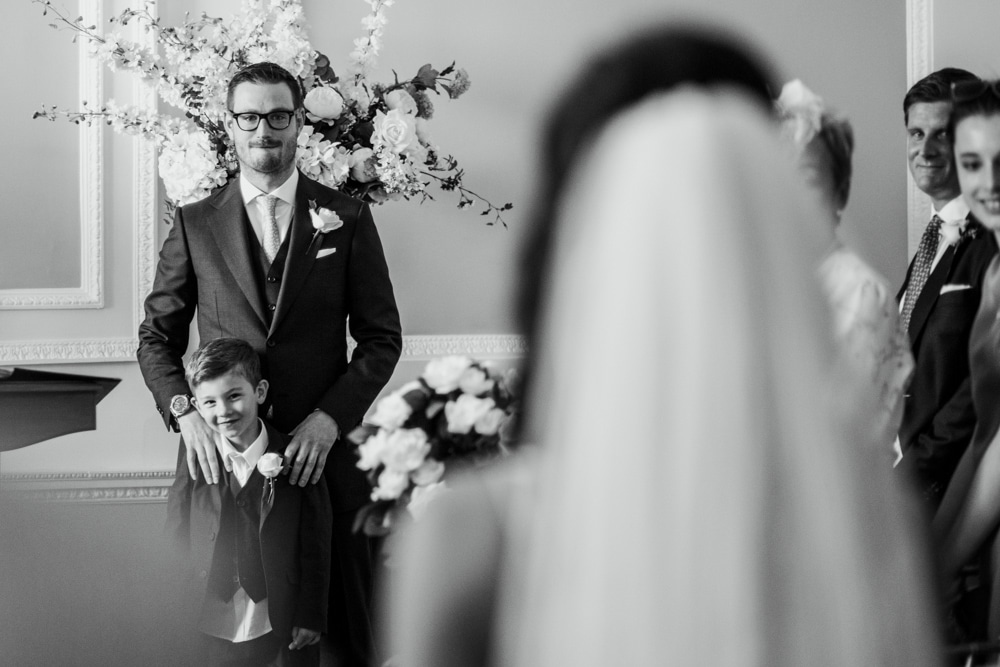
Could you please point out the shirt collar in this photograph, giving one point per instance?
(955, 212)
(252, 453)
(285, 192)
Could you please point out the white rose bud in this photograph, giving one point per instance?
(391, 412)
(325, 103)
(406, 449)
(430, 471)
(490, 423)
(362, 165)
(269, 465)
(475, 381)
(391, 483)
(402, 100)
(371, 451)
(465, 411)
(442, 374)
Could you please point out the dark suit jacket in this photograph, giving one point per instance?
(205, 268)
(295, 539)
(939, 417)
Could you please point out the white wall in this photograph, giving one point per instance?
(453, 275)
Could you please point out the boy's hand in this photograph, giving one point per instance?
(199, 440)
(311, 442)
(303, 637)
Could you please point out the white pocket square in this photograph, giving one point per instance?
(954, 288)
(324, 252)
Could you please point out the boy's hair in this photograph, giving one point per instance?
(220, 356)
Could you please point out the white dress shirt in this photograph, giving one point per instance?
(241, 619)
(253, 200)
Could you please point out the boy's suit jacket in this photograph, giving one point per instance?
(939, 417)
(205, 267)
(295, 538)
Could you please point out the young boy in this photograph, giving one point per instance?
(260, 547)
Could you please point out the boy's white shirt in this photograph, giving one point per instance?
(240, 619)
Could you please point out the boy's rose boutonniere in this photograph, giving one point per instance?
(269, 465)
(323, 220)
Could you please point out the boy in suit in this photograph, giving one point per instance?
(259, 546)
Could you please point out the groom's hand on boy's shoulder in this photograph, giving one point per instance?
(311, 443)
(199, 441)
(302, 637)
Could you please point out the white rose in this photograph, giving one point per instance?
(490, 423)
(391, 483)
(422, 496)
(430, 471)
(362, 164)
(475, 381)
(402, 100)
(371, 450)
(406, 449)
(465, 411)
(442, 374)
(269, 465)
(391, 412)
(801, 111)
(324, 103)
(395, 130)
(324, 220)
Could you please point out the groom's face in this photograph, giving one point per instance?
(264, 149)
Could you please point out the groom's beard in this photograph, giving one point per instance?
(267, 156)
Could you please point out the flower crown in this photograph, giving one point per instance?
(801, 112)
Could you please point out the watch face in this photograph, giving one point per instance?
(179, 405)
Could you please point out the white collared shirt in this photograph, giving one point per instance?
(241, 619)
(253, 200)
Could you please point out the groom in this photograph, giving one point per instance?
(248, 261)
(941, 294)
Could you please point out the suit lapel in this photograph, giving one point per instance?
(932, 289)
(229, 226)
(301, 252)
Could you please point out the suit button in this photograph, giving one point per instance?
(203, 574)
(271, 307)
(211, 536)
(270, 343)
(272, 279)
(242, 503)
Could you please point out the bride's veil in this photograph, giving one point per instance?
(703, 498)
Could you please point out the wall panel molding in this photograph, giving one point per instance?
(919, 63)
(90, 293)
(119, 487)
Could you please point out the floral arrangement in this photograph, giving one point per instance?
(369, 140)
(458, 413)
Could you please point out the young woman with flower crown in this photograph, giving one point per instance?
(871, 343)
(694, 497)
(969, 515)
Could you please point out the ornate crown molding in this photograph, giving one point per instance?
(919, 63)
(116, 487)
(90, 294)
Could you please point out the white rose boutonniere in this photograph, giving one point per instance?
(269, 465)
(323, 221)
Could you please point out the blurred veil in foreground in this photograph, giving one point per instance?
(701, 492)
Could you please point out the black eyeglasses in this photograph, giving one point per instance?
(968, 91)
(278, 120)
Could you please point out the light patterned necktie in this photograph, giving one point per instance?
(921, 269)
(272, 239)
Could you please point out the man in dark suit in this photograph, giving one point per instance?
(249, 261)
(940, 296)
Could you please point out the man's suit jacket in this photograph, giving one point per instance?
(295, 541)
(938, 417)
(206, 267)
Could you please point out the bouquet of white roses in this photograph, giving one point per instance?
(458, 413)
(368, 140)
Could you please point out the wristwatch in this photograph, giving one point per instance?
(180, 405)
